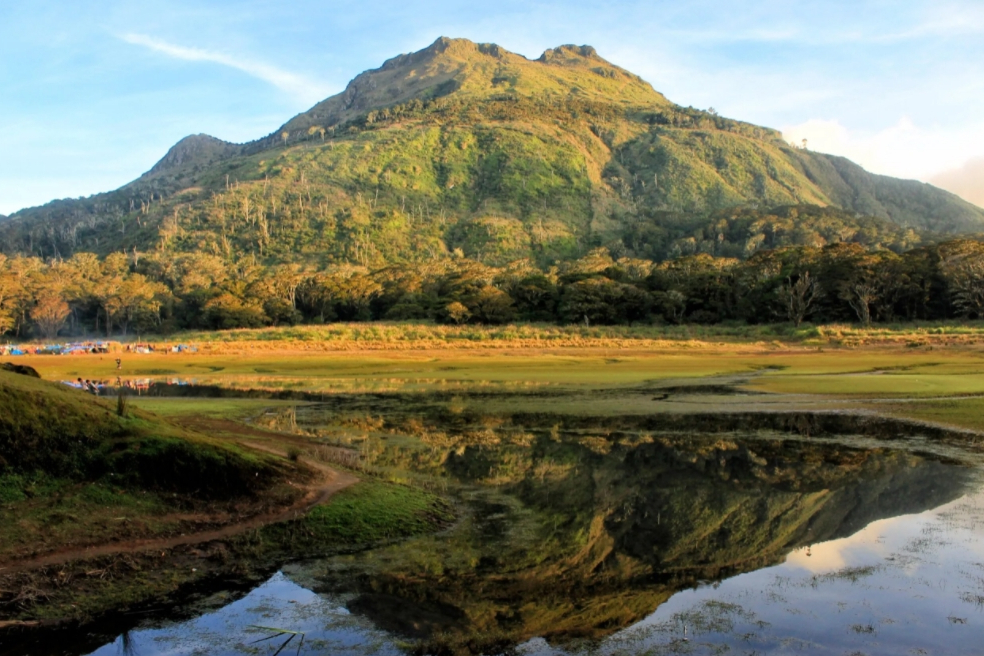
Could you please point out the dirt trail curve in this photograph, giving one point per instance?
(329, 482)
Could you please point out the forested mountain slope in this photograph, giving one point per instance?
(468, 146)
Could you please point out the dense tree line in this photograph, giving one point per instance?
(162, 293)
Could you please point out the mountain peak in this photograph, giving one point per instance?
(477, 71)
(442, 46)
(195, 149)
(566, 53)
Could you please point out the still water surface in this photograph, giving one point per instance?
(907, 585)
(610, 536)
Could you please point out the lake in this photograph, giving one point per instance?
(614, 534)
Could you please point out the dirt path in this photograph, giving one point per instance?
(329, 482)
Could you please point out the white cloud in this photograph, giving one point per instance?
(966, 181)
(292, 83)
(904, 150)
(951, 19)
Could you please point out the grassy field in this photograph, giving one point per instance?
(392, 336)
(369, 512)
(63, 499)
(877, 369)
(888, 375)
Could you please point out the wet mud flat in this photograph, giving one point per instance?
(598, 534)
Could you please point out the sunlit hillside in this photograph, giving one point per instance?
(469, 146)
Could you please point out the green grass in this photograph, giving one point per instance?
(963, 413)
(40, 513)
(73, 472)
(368, 512)
(18, 487)
(62, 432)
(425, 334)
(876, 385)
(201, 407)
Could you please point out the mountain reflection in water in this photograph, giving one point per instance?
(577, 539)
(585, 535)
(906, 585)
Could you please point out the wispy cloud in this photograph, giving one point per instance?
(292, 83)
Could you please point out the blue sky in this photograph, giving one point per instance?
(93, 93)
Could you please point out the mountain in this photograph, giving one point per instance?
(194, 152)
(480, 72)
(468, 146)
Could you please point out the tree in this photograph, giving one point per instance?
(227, 311)
(357, 292)
(318, 293)
(492, 306)
(285, 135)
(197, 271)
(10, 291)
(860, 295)
(134, 295)
(797, 297)
(967, 284)
(707, 284)
(599, 300)
(286, 280)
(50, 314)
(457, 312)
(672, 303)
(852, 288)
(18, 285)
(963, 268)
(106, 295)
(407, 292)
(281, 312)
(535, 297)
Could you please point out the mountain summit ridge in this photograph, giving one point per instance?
(473, 70)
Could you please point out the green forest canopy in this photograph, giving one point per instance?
(164, 292)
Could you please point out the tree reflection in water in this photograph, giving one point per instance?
(576, 531)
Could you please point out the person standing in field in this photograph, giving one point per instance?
(119, 364)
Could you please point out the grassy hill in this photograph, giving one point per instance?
(58, 431)
(73, 472)
(468, 146)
